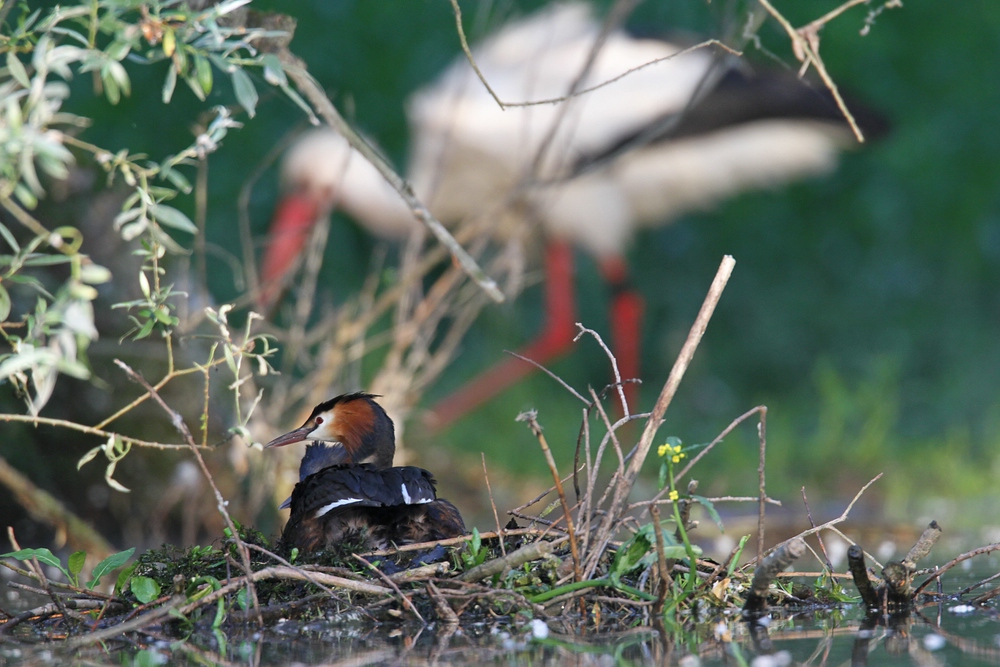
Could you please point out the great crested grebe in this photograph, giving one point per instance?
(348, 491)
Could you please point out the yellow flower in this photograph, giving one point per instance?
(674, 496)
(676, 458)
(663, 449)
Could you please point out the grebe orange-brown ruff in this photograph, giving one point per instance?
(348, 491)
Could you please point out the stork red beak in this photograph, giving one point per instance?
(298, 435)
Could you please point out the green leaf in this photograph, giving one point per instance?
(712, 512)
(204, 69)
(243, 599)
(4, 304)
(149, 657)
(76, 562)
(117, 50)
(191, 79)
(176, 178)
(17, 69)
(146, 329)
(111, 90)
(112, 562)
(274, 73)
(169, 84)
(9, 238)
(736, 559)
(246, 94)
(145, 589)
(171, 217)
(42, 554)
(124, 577)
(630, 553)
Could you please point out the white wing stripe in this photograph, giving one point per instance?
(326, 508)
(408, 499)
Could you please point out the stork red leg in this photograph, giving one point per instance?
(560, 308)
(626, 310)
(286, 238)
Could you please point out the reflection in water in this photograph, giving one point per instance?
(935, 635)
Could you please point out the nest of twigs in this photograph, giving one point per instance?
(589, 554)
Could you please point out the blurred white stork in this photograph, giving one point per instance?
(664, 139)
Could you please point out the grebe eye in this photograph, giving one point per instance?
(319, 420)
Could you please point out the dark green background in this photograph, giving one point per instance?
(863, 309)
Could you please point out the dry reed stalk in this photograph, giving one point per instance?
(489, 490)
(625, 483)
(661, 561)
(533, 424)
(762, 495)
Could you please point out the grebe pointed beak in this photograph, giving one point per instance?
(298, 435)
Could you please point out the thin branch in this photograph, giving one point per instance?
(407, 602)
(762, 494)
(830, 525)
(806, 52)
(536, 428)
(619, 386)
(297, 72)
(550, 374)
(624, 486)
(178, 422)
(489, 490)
(90, 430)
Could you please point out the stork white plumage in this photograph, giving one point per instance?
(587, 171)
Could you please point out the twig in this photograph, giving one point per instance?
(762, 495)
(90, 430)
(556, 100)
(829, 525)
(127, 626)
(726, 431)
(516, 558)
(489, 490)
(444, 610)
(550, 374)
(784, 555)
(805, 52)
(955, 561)
(536, 428)
(178, 422)
(420, 573)
(296, 70)
(624, 486)
(856, 562)
(661, 562)
(420, 546)
(284, 572)
(923, 546)
(619, 386)
(392, 584)
(819, 537)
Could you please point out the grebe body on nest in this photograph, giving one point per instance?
(348, 491)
